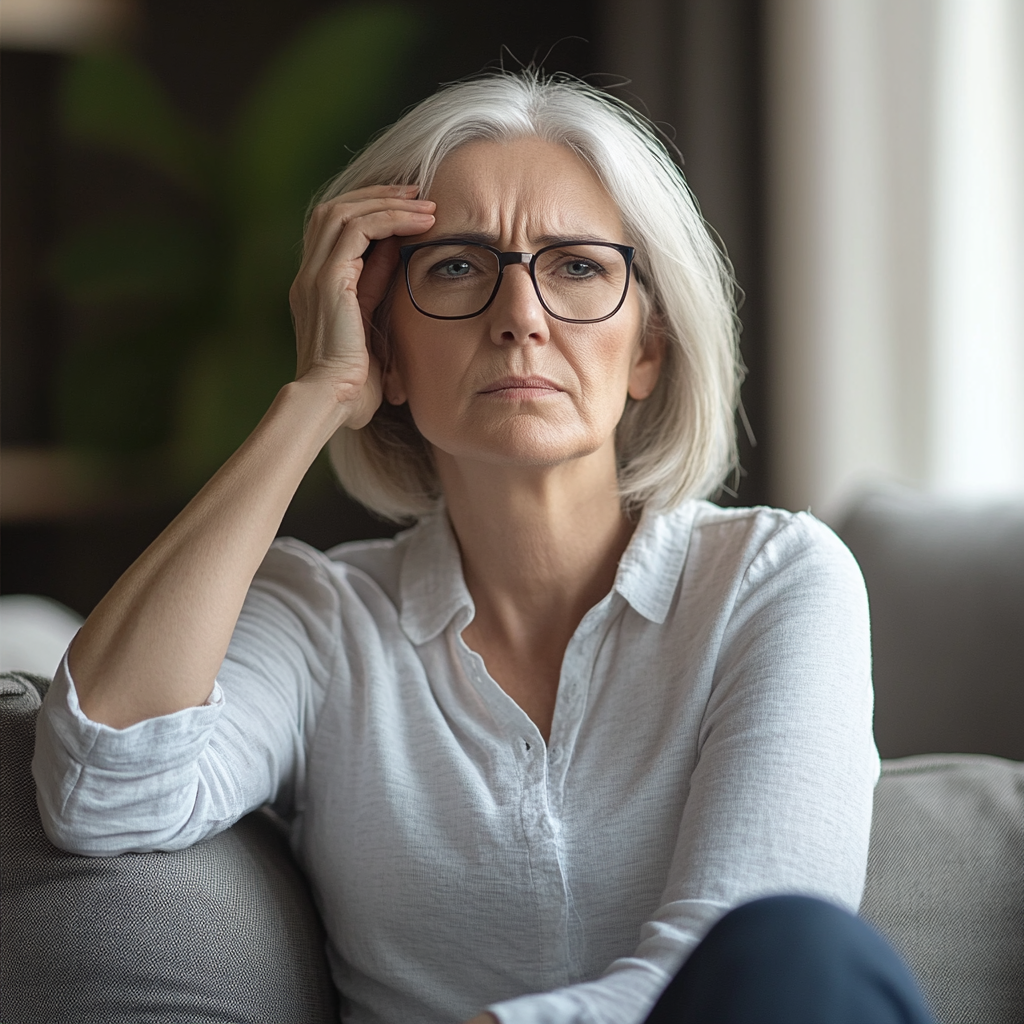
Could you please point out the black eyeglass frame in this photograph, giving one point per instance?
(507, 259)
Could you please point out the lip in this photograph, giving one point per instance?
(538, 385)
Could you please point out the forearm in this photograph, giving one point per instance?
(154, 644)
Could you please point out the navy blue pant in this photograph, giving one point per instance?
(792, 960)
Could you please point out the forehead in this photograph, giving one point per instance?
(526, 187)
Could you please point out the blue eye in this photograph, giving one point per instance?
(581, 268)
(453, 268)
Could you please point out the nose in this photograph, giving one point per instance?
(516, 315)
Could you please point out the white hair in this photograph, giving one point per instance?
(678, 443)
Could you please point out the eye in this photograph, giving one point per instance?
(582, 269)
(453, 268)
(574, 264)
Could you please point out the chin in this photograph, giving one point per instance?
(519, 444)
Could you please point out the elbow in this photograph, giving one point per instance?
(64, 835)
(90, 817)
(99, 834)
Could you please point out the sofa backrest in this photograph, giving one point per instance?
(226, 930)
(945, 881)
(946, 585)
(222, 931)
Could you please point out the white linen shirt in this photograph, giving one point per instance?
(711, 743)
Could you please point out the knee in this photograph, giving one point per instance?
(805, 958)
(799, 928)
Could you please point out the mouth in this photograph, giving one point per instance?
(521, 387)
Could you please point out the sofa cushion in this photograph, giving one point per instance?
(223, 931)
(945, 880)
(946, 583)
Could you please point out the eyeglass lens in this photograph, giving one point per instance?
(577, 282)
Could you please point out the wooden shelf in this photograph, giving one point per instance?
(39, 484)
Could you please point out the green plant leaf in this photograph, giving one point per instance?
(227, 385)
(318, 101)
(108, 99)
(263, 264)
(114, 394)
(134, 257)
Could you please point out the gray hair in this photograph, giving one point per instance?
(678, 443)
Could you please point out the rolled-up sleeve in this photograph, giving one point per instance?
(166, 782)
(103, 791)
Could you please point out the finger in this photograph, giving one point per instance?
(329, 219)
(328, 222)
(378, 273)
(359, 233)
(327, 211)
(373, 191)
(338, 278)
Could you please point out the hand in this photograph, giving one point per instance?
(334, 295)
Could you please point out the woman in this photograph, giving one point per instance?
(534, 747)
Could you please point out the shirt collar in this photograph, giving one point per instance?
(431, 583)
(433, 589)
(650, 567)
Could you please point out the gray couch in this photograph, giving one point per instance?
(226, 930)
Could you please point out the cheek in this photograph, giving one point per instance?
(427, 368)
(407, 335)
(609, 365)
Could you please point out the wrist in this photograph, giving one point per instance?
(321, 405)
(353, 403)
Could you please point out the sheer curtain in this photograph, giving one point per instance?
(896, 246)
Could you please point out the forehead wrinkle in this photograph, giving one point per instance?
(517, 216)
(508, 192)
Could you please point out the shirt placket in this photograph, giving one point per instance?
(542, 770)
(544, 773)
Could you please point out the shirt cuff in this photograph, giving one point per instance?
(546, 1008)
(168, 740)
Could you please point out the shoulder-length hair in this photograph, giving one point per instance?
(678, 443)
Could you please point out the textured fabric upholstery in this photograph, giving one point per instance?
(223, 931)
(946, 584)
(946, 881)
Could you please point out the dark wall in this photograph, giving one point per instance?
(696, 68)
(206, 56)
(28, 171)
(701, 73)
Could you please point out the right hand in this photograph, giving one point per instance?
(333, 296)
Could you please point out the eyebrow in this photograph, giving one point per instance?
(483, 238)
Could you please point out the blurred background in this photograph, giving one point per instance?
(861, 160)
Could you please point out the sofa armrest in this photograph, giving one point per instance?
(945, 880)
(222, 931)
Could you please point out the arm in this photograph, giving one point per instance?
(127, 756)
(153, 645)
(169, 781)
(780, 796)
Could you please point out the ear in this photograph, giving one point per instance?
(647, 359)
(392, 385)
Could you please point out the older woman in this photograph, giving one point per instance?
(534, 747)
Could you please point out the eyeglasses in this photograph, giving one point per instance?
(581, 282)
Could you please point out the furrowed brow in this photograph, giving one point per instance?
(577, 236)
(483, 238)
(479, 237)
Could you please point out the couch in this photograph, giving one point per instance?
(226, 931)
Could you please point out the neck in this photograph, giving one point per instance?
(540, 545)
